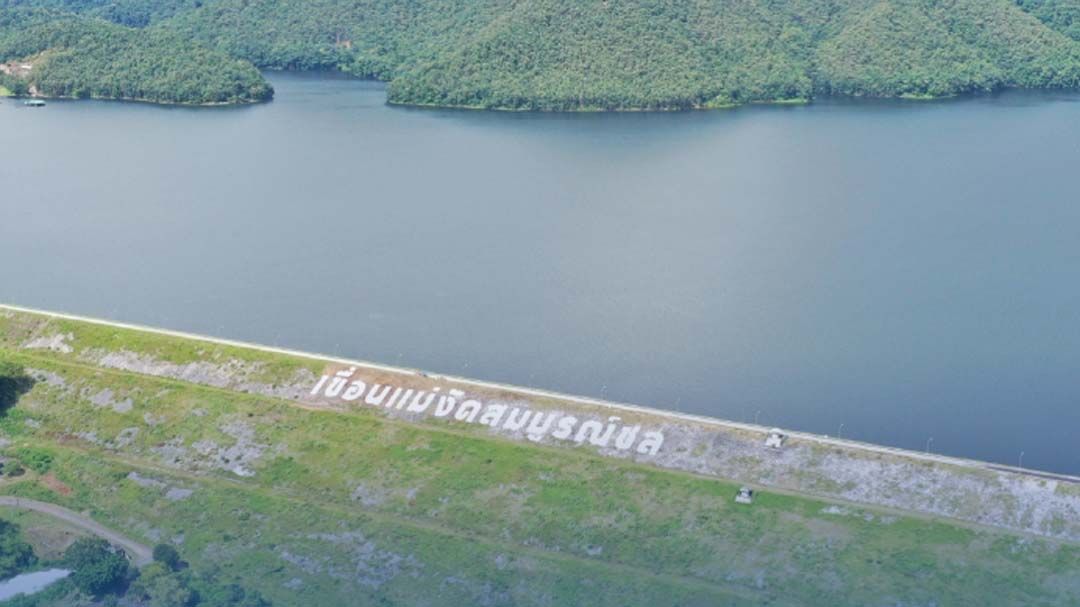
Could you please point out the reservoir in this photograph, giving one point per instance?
(904, 273)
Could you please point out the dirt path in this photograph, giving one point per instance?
(139, 553)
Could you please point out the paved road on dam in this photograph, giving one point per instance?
(140, 554)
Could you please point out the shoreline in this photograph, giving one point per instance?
(794, 102)
(216, 104)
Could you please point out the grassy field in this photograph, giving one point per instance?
(49, 536)
(317, 507)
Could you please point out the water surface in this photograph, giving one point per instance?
(30, 583)
(902, 273)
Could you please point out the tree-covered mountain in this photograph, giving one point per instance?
(609, 54)
(60, 54)
(634, 54)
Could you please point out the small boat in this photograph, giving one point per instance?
(34, 103)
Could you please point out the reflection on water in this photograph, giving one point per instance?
(893, 270)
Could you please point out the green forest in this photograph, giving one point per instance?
(1062, 15)
(83, 57)
(563, 54)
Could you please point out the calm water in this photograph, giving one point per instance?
(905, 270)
(30, 583)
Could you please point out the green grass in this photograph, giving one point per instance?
(5, 92)
(507, 522)
(88, 338)
(48, 535)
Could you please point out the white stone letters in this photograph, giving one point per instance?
(354, 391)
(536, 425)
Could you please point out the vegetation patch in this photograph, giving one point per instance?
(16, 555)
(558, 55)
(80, 57)
(350, 507)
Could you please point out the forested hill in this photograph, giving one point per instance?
(133, 13)
(59, 54)
(612, 54)
(634, 54)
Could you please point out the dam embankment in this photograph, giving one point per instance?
(843, 471)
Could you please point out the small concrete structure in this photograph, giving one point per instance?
(775, 439)
(744, 496)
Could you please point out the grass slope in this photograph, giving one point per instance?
(356, 509)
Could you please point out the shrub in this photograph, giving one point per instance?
(14, 382)
(35, 458)
(16, 555)
(168, 556)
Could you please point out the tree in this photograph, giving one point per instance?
(168, 556)
(14, 382)
(97, 567)
(162, 587)
(16, 555)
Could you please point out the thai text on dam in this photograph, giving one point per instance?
(519, 419)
